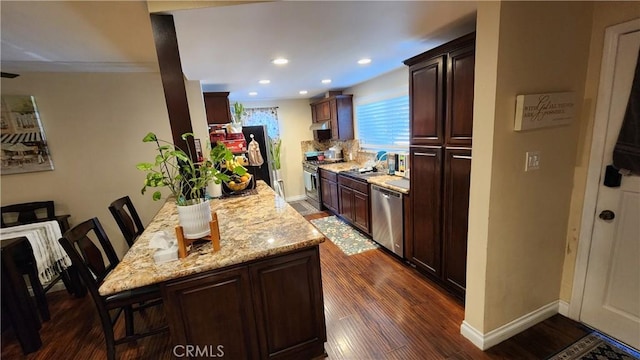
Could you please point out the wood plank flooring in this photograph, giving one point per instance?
(376, 307)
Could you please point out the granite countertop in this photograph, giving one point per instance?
(337, 167)
(380, 180)
(251, 227)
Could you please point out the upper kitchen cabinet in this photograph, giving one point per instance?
(217, 107)
(426, 90)
(460, 75)
(332, 118)
(441, 94)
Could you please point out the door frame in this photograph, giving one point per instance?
(594, 172)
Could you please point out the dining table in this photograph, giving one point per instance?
(259, 296)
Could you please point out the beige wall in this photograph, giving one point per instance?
(521, 230)
(605, 14)
(94, 125)
(294, 118)
(487, 40)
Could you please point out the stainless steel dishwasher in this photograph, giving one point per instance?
(387, 219)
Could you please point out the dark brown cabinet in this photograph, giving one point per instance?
(426, 90)
(441, 122)
(460, 74)
(426, 196)
(354, 202)
(223, 299)
(217, 107)
(329, 190)
(338, 111)
(441, 94)
(289, 306)
(270, 309)
(457, 177)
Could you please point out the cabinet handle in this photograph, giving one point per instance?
(461, 157)
(425, 154)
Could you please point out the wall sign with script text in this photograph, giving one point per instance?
(544, 110)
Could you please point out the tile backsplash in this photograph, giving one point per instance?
(350, 148)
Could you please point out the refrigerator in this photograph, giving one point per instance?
(263, 172)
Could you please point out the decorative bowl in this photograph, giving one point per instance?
(235, 185)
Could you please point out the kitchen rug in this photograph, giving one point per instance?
(349, 240)
(303, 207)
(596, 346)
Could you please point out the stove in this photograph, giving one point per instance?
(312, 180)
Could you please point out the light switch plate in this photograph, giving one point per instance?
(532, 161)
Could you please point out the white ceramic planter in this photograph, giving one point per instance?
(195, 219)
(214, 190)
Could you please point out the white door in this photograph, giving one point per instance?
(611, 300)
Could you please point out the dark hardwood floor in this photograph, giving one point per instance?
(376, 307)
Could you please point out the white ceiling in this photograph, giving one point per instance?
(230, 48)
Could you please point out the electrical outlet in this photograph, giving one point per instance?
(532, 161)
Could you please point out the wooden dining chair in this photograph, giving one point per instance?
(127, 219)
(29, 213)
(86, 256)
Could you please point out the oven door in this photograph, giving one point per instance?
(311, 184)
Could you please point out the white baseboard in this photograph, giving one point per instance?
(563, 308)
(295, 198)
(496, 336)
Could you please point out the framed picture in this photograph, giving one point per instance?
(24, 145)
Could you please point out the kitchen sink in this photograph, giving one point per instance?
(359, 175)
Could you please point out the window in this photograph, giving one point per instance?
(384, 124)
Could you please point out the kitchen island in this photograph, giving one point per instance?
(259, 297)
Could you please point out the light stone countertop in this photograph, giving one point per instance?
(251, 227)
(380, 180)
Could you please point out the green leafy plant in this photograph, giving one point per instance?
(238, 109)
(274, 148)
(174, 169)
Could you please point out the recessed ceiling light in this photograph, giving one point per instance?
(265, 81)
(253, 93)
(303, 92)
(326, 81)
(364, 61)
(280, 61)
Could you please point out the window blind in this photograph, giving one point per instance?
(384, 123)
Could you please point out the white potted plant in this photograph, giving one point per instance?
(174, 169)
(238, 110)
(274, 148)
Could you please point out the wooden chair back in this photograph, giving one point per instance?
(90, 256)
(127, 219)
(27, 212)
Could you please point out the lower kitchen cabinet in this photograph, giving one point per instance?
(270, 309)
(457, 175)
(437, 244)
(354, 202)
(329, 190)
(214, 309)
(424, 249)
(289, 306)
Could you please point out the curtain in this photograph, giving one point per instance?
(263, 116)
(626, 153)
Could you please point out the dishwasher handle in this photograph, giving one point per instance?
(386, 193)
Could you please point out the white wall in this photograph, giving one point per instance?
(294, 119)
(94, 125)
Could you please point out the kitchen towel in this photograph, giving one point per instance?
(50, 257)
(255, 157)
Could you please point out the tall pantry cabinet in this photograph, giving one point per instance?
(441, 122)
